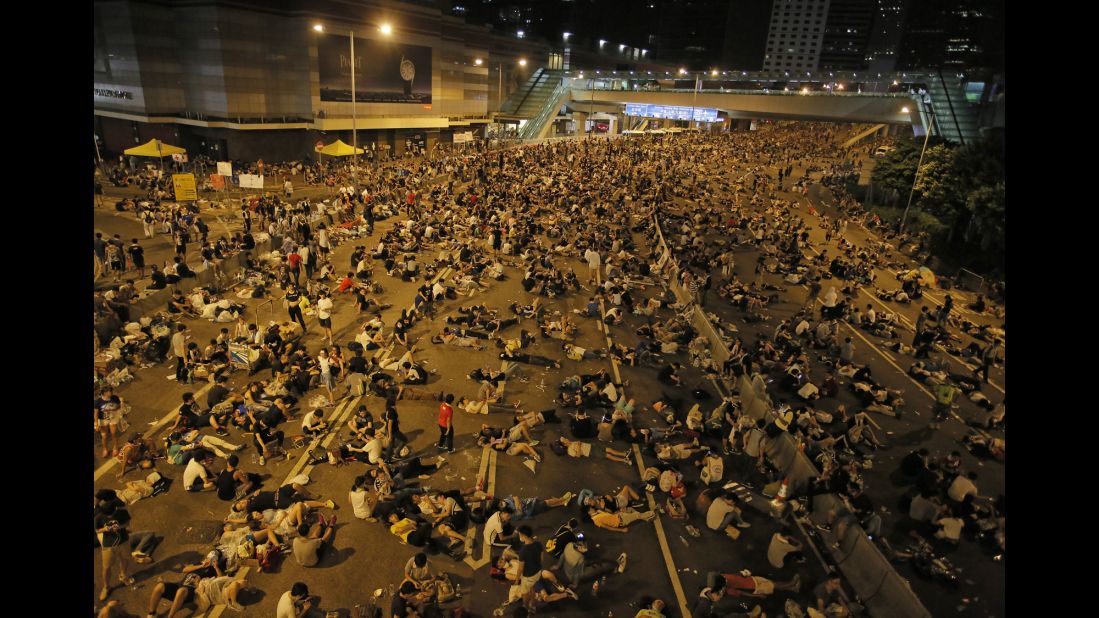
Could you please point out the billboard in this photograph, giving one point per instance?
(701, 114)
(385, 72)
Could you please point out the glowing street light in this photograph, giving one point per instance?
(522, 62)
(904, 110)
(566, 35)
(622, 47)
(477, 61)
(520, 34)
(682, 71)
(602, 42)
(386, 30)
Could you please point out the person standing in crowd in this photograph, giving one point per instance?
(446, 424)
(179, 350)
(137, 257)
(292, 301)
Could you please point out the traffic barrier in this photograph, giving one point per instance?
(878, 585)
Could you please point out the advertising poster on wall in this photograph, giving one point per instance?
(385, 72)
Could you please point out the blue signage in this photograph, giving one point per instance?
(673, 112)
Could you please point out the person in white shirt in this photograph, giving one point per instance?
(362, 501)
(295, 602)
(592, 257)
(313, 423)
(194, 472)
(962, 486)
(324, 315)
(494, 531)
(722, 512)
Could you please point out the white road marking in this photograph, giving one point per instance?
(661, 537)
(155, 429)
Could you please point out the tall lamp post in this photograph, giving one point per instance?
(386, 30)
(912, 191)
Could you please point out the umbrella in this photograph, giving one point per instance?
(339, 149)
(927, 276)
(155, 148)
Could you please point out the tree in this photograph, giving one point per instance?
(940, 189)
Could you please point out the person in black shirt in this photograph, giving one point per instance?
(266, 440)
(182, 270)
(358, 363)
(228, 479)
(284, 498)
(159, 280)
(218, 392)
(137, 256)
(393, 429)
(110, 529)
(530, 557)
(668, 375)
(292, 300)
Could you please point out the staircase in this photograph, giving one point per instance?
(861, 135)
(956, 119)
(529, 100)
(538, 126)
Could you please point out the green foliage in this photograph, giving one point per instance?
(959, 197)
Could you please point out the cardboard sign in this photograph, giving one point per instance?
(225, 168)
(184, 185)
(218, 181)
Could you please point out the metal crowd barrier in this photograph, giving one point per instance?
(879, 587)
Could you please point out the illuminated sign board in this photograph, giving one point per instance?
(673, 112)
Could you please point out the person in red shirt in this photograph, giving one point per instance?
(446, 424)
(294, 259)
(739, 585)
(347, 283)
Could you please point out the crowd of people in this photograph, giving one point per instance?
(466, 222)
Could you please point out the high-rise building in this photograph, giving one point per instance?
(847, 29)
(796, 35)
(956, 34)
(885, 39)
(746, 34)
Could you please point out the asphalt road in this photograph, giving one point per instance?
(367, 557)
(982, 590)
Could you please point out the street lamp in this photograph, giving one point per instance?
(566, 35)
(904, 110)
(602, 42)
(477, 61)
(386, 30)
(522, 62)
(916, 176)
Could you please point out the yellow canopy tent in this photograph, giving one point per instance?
(155, 148)
(340, 149)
